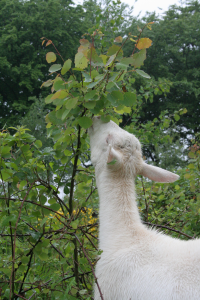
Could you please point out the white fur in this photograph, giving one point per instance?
(137, 263)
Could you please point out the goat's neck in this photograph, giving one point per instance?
(118, 214)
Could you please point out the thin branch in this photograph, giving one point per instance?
(20, 296)
(169, 228)
(15, 235)
(101, 295)
(74, 171)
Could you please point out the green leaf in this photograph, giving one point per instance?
(104, 58)
(50, 57)
(90, 104)
(71, 103)
(6, 174)
(55, 206)
(66, 66)
(68, 153)
(90, 95)
(47, 83)
(142, 73)
(25, 260)
(23, 183)
(85, 122)
(64, 160)
(59, 84)
(110, 61)
(114, 49)
(5, 150)
(124, 63)
(66, 190)
(87, 77)
(92, 55)
(115, 97)
(49, 99)
(166, 123)
(74, 224)
(43, 199)
(129, 99)
(55, 67)
(176, 117)
(51, 117)
(38, 144)
(105, 119)
(81, 61)
(138, 58)
(64, 115)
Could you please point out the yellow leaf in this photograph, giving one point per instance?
(48, 43)
(104, 58)
(144, 43)
(118, 39)
(84, 42)
(50, 57)
(123, 110)
(49, 125)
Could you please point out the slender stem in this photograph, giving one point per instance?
(76, 271)
(38, 204)
(139, 38)
(101, 295)
(170, 229)
(14, 243)
(74, 171)
(25, 274)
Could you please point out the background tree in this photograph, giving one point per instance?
(22, 59)
(174, 55)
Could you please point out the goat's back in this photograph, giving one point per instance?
(158, 268)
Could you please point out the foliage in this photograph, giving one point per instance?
(22, 64)
(38, 232)
(174, 208)
(34, 120)
(48, 197)
(174, 55)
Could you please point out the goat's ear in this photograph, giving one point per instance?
(158, 174)
(113, 155)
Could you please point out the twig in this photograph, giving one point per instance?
(14, 242)
(101, 295)
(20, 296)
(169, 228)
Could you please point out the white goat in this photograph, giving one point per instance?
(137, 263)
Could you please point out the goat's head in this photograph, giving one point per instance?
(115, 150)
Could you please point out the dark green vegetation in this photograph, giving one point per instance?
(175, 56)
(22, 59)
(48, 198)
